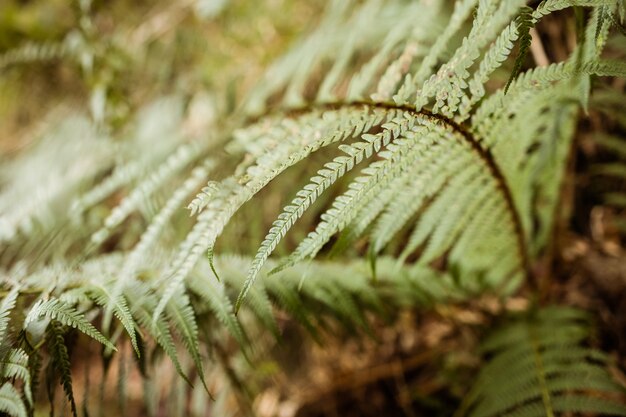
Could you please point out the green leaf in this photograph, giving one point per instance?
(11, 402)
(55, 309)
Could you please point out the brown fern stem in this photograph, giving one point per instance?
(468, 136)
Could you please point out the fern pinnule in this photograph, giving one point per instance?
(183, 156)
(11, 402)
(103, 295)
(550, 6)
(61, 361)
(366, 216)
(149, 238)
(419, 183)
(34, 52)
(182, 315)
(214, 294)
(413, 82)
(55, 309)
(122, 382)
(445, 200)
(142, 310)
(202, 199)
(611, 143)
(525, 23)
(15, 366)
(463, 211)
(6, 306)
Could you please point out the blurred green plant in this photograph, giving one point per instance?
(457, 197)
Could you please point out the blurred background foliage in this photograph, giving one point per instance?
(111, 59)
(116, 55)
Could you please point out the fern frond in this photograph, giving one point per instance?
(55, 309)
(471, 170)
(347, 206)
(539, 367)
(211, 222)
(6, 306)
(33, 52)
(104, 297)
(15, 365)
(181, 313)
(183, 156)
(525, 23)
(11, 402)
(214, 294)
(412, 83)
(447, 84)
(149, 238)
(142, 308)
(61, 361)
(202, 199)
(325, 178)
(398, 156)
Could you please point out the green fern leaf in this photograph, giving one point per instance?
(202, 199)
(524, 25)
(142, 304)
(6, 305)
(307, 196)
(183, 156)
(540, 368)
(181, 313)
(15, 365)
(11, 402)
(104, 297)
(215, 296)
(55, 309)
(258, 300)
(61, 361)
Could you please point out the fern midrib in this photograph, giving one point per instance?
(541, 375)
